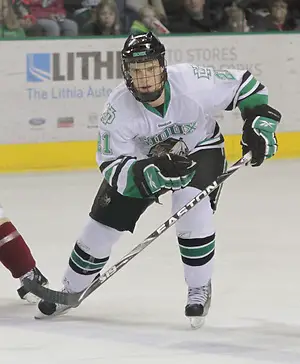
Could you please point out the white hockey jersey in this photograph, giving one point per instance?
(128, 129)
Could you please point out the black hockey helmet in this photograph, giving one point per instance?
(141, 49)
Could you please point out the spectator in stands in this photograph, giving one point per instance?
(197, 17)
(105, 20)
(173, 8)
(84, 13)
(148, 21)
(278, 19)
(137, 5)
(294, 6)
(236, 20)
(9, 24)
(256, 12)
(51, 16)
(27, 21)
(127, 9)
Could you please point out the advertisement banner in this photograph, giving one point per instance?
(54, 90)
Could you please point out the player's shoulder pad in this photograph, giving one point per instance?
(119, 108)
(192, 76)
(178, 70)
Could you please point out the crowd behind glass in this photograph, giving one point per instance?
(69, 18)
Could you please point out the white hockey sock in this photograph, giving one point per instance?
(197, 256)
(90, 254)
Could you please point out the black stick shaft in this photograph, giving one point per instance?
(75, 299)
(165, 226)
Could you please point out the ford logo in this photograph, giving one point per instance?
(37, 121)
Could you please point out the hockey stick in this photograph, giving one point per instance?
(75, 299)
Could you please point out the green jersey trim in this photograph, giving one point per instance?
(167, 89)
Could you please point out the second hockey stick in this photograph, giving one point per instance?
(75, 299)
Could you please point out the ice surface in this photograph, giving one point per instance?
(138, 315)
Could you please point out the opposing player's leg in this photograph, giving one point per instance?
(196, 234)
(111, 214)
(16, 256)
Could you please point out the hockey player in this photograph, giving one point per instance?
(15, 255)
(157, 134)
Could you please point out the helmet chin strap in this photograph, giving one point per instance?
(148, 96)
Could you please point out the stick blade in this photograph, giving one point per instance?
(50, 295)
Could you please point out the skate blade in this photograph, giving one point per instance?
(40, 316)
(196, 322)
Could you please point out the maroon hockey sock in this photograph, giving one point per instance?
(15, 255)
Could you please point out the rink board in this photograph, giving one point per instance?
(81, 155)
(54, 92)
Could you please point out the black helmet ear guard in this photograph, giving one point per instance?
(138, 49)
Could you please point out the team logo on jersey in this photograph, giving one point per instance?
(108, 115)
(202, 72)
(175, 129)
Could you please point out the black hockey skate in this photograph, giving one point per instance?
(198, 304)
(34, 274)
